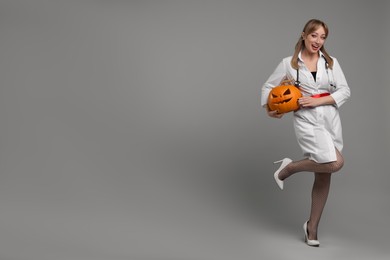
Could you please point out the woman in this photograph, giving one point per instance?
(317, 123)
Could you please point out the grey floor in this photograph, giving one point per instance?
(165, 219)
(74, 205)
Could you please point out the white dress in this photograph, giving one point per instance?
(318, 130)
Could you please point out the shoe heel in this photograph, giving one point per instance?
(314, 243)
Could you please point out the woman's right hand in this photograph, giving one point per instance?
(273, 113)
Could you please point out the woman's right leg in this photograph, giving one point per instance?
(319, 196)
(323, 172)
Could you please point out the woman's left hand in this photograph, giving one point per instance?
(309, 102)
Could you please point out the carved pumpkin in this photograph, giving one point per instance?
(284, 98)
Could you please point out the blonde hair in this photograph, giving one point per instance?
(310, 27)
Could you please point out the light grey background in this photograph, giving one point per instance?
(132, 130)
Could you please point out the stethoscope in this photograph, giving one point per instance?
(331, 82)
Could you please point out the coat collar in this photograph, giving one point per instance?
(300, 56)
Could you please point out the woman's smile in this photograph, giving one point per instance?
(314, 40)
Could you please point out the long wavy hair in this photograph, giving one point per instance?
(311, 26)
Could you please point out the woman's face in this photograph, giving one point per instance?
(314, 40)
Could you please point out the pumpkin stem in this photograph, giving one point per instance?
(287, 82)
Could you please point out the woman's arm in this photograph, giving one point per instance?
(274, 113)
(338, 97)
(342, 91)
(315, 102)
(274, 79)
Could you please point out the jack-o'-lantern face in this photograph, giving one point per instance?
(284, 98)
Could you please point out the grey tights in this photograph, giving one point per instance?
(312, 166)
(320, 191)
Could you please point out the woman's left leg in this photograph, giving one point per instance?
(318, 200)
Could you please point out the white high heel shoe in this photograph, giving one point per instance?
(315, 243)
(284, 162)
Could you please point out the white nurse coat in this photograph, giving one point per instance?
(318, 130)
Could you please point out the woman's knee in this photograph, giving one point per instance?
(340, 161)
(337, 165)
